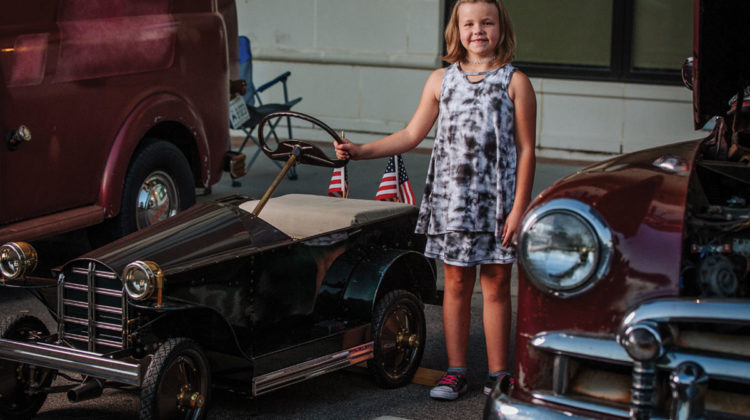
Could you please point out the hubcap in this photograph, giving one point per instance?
(157, 199)
(400, 341)
(188, 400)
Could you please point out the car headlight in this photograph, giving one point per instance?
(141, 278)
(16, 258)
(564, 247)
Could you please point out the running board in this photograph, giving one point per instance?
(312, 368)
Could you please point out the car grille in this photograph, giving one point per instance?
(92, 308)
(595, 373)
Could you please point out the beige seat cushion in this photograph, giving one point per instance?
(303, 215)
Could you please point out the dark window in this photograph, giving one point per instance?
(617, 40)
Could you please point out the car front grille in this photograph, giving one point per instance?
(594, 373)
(92, 308)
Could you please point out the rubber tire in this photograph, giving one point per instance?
(17, 327)
(170, 351)
(396, 300)
(155, 155)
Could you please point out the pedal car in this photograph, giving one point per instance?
(253, 295)
(634, 292)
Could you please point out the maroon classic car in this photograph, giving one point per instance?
(634, 292)
(110, 111)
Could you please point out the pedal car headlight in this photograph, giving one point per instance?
(564, 247)
(17, 258)
(141, 278)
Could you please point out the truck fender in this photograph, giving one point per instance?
(380, 273)
(149, 113)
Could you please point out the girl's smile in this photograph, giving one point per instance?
(479, 29)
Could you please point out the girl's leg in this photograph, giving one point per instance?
(459, 285)
(496, 310)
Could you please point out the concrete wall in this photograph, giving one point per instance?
(360, 66)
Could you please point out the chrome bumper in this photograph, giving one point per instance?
(71, 360)
(502, 406)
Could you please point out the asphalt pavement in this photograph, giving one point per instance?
(348, 394)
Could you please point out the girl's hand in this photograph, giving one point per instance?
(346, 150)
(511, 227)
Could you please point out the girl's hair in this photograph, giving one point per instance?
(506, 45)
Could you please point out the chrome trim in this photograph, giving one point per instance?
(580, 404)
(607, 350)
(729, 311)
(97, 324)
(312, 368)
(99, 308)
(84, 339)
(91, 292)
(98, 318)
(589, 215)
(71, 360)
(99, 291)
(504, 407)
(570, 344)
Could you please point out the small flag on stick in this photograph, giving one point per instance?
(395, 185)
(339, 185)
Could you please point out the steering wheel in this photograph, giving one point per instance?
(305, 152)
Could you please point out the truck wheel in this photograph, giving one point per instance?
(177, 382)
(158, 185)
(18, 400)
(399, 334)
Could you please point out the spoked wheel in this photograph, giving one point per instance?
(177, 383)
(20, 384)
(399, 335)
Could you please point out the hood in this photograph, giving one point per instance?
(204, 234)
(721, 52)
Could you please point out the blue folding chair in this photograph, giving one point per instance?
(257, 109)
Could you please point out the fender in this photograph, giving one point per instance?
(392, 269)
(203, 324)
(150, 112)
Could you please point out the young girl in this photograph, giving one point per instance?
(479, 179)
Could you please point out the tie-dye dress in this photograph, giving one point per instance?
(471, 179)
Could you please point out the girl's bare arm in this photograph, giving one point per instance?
(524, 100)
(407, 138)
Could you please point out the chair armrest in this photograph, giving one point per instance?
(279, 78)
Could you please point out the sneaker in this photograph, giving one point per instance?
(504, 378)
(449, 387)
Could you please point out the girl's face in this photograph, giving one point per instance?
(479, 28)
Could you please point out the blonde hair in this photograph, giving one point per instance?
(506, 45)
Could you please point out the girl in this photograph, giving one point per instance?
(479, 179)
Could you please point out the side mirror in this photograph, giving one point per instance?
(687, 73)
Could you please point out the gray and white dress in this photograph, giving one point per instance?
(471, 180)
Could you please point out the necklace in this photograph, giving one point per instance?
(482, 60)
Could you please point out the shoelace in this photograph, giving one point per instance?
(448, 380)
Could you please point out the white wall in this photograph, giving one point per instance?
(360, 66)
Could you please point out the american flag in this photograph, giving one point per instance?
(339, 186)
(395, 186)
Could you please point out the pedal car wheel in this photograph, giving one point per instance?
(16, 379)
(399, 334)
(177, 383)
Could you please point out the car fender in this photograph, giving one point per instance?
(379, 273)
(203, 324)
(149, 113)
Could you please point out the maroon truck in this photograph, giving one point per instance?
(111, 112)
(634, 292)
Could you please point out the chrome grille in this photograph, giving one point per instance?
(92, 308)
(595, 373)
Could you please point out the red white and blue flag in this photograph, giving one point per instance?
(395, 185)
(339, 186)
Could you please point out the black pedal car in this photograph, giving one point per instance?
(225, 294)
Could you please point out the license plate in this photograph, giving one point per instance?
(238, 114)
